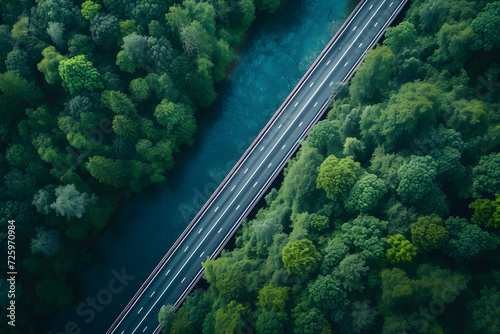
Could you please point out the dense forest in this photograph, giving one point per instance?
(96, 99)
(388, 217)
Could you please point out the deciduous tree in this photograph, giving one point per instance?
(300, 256)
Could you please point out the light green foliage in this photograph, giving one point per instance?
(140, 89)
(415, 106)
(271, 322)
(300, 256)
(78, 74)
(401, 250)
(106, 171)
(486, 212)
(365, 194)
(454, 42)
(327, 293)
(124, 62)
(366, 236)
(125, 128)
(177, 18)
(90, 9)
(372, 78)
(201, 83)
(428, 233)
(46, 241)
(20, 28)
(351, 272)
(273, 297)
(417, 179)
(466, 240)
(223, 56)
(49, 66)
(229, 317)
(486, 176)
(485, 26)
(485, 311)
(70, 202)
(470, 118)
(247, 8)
(119, 103)
(404, 35)
(337, 177)
(300, 181)
(166, 316)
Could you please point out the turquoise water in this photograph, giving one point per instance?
(275, 56)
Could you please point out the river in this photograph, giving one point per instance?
(278, 51)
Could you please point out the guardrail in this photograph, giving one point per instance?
(251, 148)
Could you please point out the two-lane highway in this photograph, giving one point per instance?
(240, 191)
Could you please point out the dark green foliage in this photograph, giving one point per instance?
(19, 62)
(366, 236)
(327, 294)
(17, 94)
(486, 176)
(417, 179)
(466, 240)
(104, 30)
(484, 25)
(485, 311)
(271, 322)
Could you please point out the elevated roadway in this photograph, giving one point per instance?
(180, 269)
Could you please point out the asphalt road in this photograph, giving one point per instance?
(222, 216)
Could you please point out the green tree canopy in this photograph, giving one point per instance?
(327, 293)
(485, 311)
(337, 177)
(365, 194)
(404, 35)
(300, 256)
(78, 74)
(486, 176)
(486, 212)
(401, 250)
(273, 297)
(372, 78)
(485, 26)
(417, 179)
(466, 240)
(428, 233)
(106, 171)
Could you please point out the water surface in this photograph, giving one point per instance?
(277, 53)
